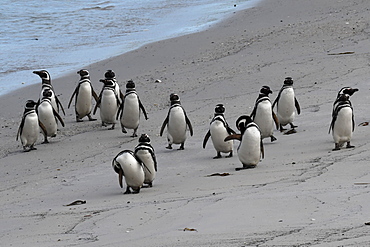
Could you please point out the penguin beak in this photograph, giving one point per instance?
(120, 177)
(36, 72)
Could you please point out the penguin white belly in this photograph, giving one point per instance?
(286, 107)
(83, 100)
(47, 118)
(30, 130)
(263, 118)
(218, 135)
(342, 130)
(149, 169)
(176, 127)
(108, 107)
(132, 170)
(131, 112)
(249, 150)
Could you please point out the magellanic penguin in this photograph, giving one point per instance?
(344, 90)
(46, 85)
(29, 128)
(145, 153)
(218, 130)
(250, 149)
(129, 110)
(83, 94)
(263, 114)
(109, 100)
(342, 124)
(126, 165)
(48, 116)
(176, 122)
(286, 102)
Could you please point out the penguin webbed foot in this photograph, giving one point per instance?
(282, 129)
(273, 138)
(91, 118)
(293, 126)
(112, 128)
(79, 119)
(169, 146)
(218, 156)
(124, 130)
(128, 191)
(349, 145)
(337, 147)
(45, 140)
(230, 155)
(245, 167)
(134, 134)
(181, 147)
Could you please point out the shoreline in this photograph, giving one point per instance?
(301, 193)
(136, 41)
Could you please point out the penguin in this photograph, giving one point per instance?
(129, 110)
(109, 99)
(126, 165)
(218, 130)
(83, 93)
(46, 85)
(286, 102)
(342, 124)
(48, 116)
(176, 122)
(250, 149)
(344, 90)
(263, 114)
(146, 154)
(30, 126)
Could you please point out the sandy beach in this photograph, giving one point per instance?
(301, 194)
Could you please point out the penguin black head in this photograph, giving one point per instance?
(130, 84)
(265, 90)
(84, 73)
(44, 75)
(347, 90)
(288, 81)
(220, 109)
(110, 74)
(144, 138)
(174, 98)
(242, 122)
(47, 94)
(30, 104)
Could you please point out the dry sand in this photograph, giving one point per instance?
(301, 194)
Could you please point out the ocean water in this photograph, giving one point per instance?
(65, 35)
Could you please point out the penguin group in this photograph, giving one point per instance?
(138, 167)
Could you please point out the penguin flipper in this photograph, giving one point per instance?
(165, 122)
(73, 94)
(43, 128)
(120, 110)
(276, 120)
(206, 138)
(189, 124)
(262, 150)
(120, 177)
(353, 122)
(297, 106)
(59, 117)
(143, 109)
(96, 97)
(60, 104)
(19, 132)
(233, 137)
